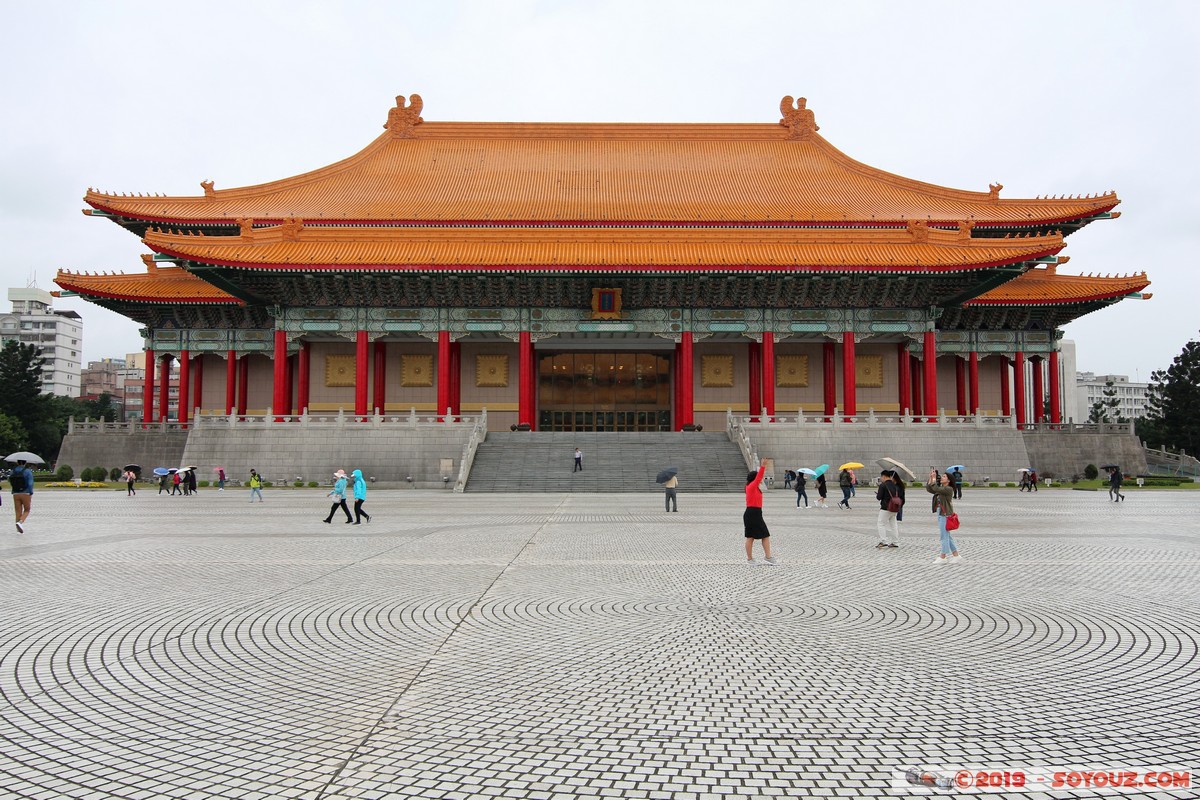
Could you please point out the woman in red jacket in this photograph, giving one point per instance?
(756, 528)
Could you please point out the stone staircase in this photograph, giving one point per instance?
(612, 462)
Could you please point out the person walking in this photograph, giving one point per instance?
(129, 477)
(1114, 485)
(671, 499)
(578, 461)
(21, 481)
(191, 482)
(220, 479)
(176, 479)
(845, 481)
(956, 481)
(1033, 479)
(943, 497)
(822, 491)
(162, 483)
(890, 503)
(853, 483)
(788, 477)
(339, 498)
(752, 518)
(255, 486)
(899, 481)
(360, 497)
(801, 494)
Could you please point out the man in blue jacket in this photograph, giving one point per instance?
(22, 493)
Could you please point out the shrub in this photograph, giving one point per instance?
(298, 484)
(313, 484)
(1090, 472)
(267, 483)
(64, 473)
(114, 474)
(994, 485)
(202, 483)
(99, 474)
(1010, 485)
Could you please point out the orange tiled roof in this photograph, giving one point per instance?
(506, 173)
(156, 285)
(1044, 286)
(604, 249)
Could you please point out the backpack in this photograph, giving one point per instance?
(19, 481)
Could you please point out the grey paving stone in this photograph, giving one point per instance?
(585, 646)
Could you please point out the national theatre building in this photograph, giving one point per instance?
(603, 277)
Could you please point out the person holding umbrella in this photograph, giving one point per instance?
(130, 476)
(891, 500)
(220, 478)
(846, 482)
(21, 480)
(822, 488)
(669, 478)
(164, 475)
(801, 484)
(1114, 483)
(752, 518)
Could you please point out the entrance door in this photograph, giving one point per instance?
(591, 391)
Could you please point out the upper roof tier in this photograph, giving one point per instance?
(449, 173)
(295, 247)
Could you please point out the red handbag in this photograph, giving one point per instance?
(952, 522)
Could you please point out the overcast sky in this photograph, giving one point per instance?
(1045, 97)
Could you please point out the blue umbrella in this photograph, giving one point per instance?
(819, 471)
(161, 471)
(956, 466)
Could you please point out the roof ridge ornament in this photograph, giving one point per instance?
(209, 192)
(798, 119)
(919, 230)
(994, 191)
(404, 118)
(291, 228)
(245, 227)
(964, 229)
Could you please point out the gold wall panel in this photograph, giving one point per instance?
(491, 369)
(868, 372)
(339, 370)
(716, 371)
(791, 371)
(416, 370)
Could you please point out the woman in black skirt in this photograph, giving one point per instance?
(756, 528)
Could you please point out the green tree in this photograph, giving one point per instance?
(1106, 408)
(13, 435)
(20, 379)
(100, 408)
(1172, 400)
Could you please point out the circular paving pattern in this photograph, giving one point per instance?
(464, 648)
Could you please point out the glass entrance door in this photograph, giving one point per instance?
(622, 391)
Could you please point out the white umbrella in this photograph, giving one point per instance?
(27, 457)
(891, 463)
(806, 471)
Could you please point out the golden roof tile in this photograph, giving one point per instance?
(596, 173)
(1045, 286)
(294, 246)
(159, 284)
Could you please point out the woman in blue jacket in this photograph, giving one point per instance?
(360, 496)
(339, 498)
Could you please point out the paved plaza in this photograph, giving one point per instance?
(555, 646)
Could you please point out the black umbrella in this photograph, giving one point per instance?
(666, 474)
(1109, 466)
(133, 468)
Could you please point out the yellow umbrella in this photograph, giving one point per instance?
(851, 465)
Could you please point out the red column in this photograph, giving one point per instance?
(290, 405)
(849, 375)
(918, 394)
(829, 379)
(456, 378)
(243, 383)
(1005, 403)
(524, 369)
(361, 361)
(443, 374)
(1039, 390)
(279, 378)
(304, 368)
(768, 372)
(533, 387)
(903, 377)
(685, 373)
(1019, 386)
(185, 386)
(1055, 389)
(148, 387)
(198, 385)
(973, 380)
(755, 353)
(960, 385)
(931, 393)
(164, 388)
(230, 380)
(677, 390)
(378, 398)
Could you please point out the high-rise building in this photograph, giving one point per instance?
(1131, 396)
(58, 335)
